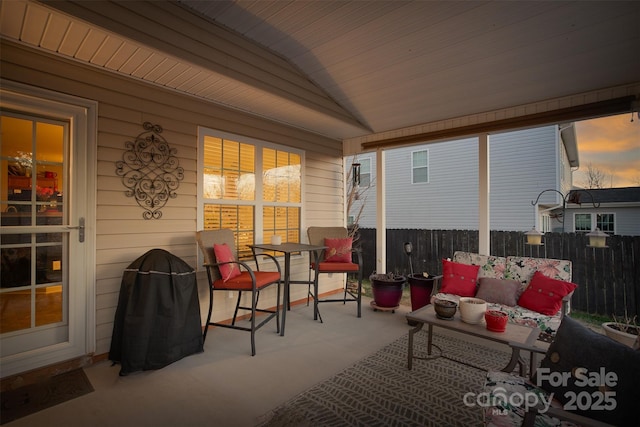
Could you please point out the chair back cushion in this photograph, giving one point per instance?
(207, 238)
(318, 234)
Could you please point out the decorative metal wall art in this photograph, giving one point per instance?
(150, 171)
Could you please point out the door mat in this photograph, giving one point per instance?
(32, 398)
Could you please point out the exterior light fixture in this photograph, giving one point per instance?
(408, 248)
(597, 239)
(356, 174)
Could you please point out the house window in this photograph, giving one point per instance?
(583, 222)
(546, 224)
(588, 222)
(365, 172)
(420, 166)
(606, 223)
(251, 187)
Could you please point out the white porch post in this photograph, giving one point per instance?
(381, 218)
(484, 190)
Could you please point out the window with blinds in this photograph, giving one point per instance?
(251, 187)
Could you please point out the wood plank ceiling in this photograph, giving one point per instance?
(347, 69)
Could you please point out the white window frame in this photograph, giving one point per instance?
(593, 216)
(365, 171)
(259, 203)
(413, 168)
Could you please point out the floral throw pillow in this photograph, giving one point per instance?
(223, 254)
(459, 279)
(338, 250)
(545, 294)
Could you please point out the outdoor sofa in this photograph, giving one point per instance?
(504, 283)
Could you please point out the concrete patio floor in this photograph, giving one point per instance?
(224, 385)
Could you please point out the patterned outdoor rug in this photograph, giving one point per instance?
(380, 391)
(32, 398)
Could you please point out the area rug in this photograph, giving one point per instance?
(380, 391)
(32, 398)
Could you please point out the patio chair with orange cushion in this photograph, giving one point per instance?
(226, 273)
(338, 257)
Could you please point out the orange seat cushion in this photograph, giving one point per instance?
(243, 281)
(335, 267)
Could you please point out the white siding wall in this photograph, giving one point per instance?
(122, 235)
(523, 163)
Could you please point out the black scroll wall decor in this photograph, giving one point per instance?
(150, 171)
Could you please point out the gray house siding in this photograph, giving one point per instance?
(523, 163)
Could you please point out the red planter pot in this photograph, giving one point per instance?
(420, 288)
(496, 320)
(387, 292)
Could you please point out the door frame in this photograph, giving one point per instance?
(82, 116)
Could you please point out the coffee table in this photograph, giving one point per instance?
(513, 334)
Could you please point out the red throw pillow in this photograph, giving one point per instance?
(223, 254)
(338, 250)
(545, 294)
(459, 279)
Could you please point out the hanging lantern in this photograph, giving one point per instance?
(597, 239)
(534, 237)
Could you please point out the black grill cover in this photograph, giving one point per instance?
(158, 317)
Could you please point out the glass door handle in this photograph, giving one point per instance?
(80, 228)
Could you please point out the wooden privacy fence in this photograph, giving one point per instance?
(608, 279)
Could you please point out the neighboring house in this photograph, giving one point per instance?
(431, 186)
(612, 210)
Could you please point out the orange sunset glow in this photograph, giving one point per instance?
(612, 146)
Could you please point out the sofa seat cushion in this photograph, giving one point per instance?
(500, 413)
(519, 315)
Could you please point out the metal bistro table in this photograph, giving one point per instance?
(287, 249)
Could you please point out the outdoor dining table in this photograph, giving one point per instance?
(287, 249)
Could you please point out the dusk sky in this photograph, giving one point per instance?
(611, 145)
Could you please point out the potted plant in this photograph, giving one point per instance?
(624, 330)
(496, 320)
(421, 286)
(387, 289)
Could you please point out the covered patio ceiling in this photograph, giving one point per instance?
(353, 70)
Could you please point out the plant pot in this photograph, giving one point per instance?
(420, 288)
(613, 331)
(444, 309)
(472, 310)
(387, 289)
(496, 320)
